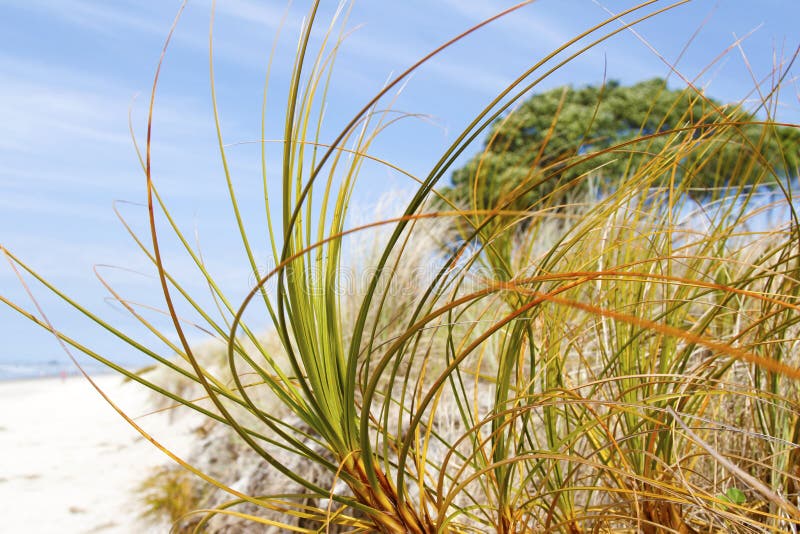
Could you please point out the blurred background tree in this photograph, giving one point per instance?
(567, 145)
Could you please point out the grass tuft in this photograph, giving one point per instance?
(560, 361)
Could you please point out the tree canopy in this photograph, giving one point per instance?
(558, 144)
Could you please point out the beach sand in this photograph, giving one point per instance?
(70, 464)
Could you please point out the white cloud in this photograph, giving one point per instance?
(399, 58)
(530, 25)
(44, 116)
(46, 107)
(269, 16)
(33, 203)
(98, 16)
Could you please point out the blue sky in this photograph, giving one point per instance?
(71, 70)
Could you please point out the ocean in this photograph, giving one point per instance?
(20, 370)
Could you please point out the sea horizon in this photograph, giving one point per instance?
(53, 368)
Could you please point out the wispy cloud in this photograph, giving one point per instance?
(154, 19)
(265, 15)
(536, 29)
(102, 17)
(396, 59)
(531, 24)
(43, 117)
(44, 106)
(33, 203)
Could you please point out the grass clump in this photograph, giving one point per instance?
(622, 363)
(168, 495)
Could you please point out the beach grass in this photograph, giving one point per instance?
(625, 362)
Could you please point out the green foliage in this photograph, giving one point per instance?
(596, 137)
(734, 496)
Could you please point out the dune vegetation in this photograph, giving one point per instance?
(532, 360)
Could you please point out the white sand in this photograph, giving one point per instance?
(69, 463)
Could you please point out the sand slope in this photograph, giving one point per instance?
(69, 462)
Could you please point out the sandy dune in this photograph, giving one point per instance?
(69, 462)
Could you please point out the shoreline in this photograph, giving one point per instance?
(71, 463)
(15, 371)
(94, 374)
